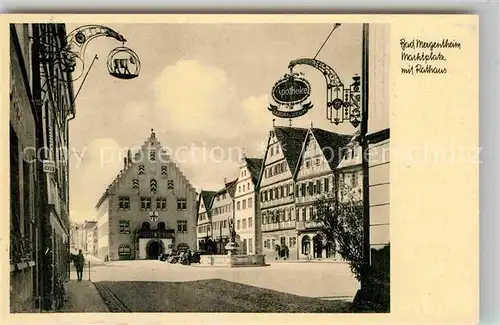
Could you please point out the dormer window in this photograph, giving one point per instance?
(142, 170)
(152, 156)
(164, 170)
(135, 183)
(170, 185)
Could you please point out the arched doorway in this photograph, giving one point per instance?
(318, 246)
(306, 242)
(154, 249)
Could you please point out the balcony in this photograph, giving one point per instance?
(270, 227)
(309, 224)
(150, 233)
(281, 201)
(21, 252)
(283, 225)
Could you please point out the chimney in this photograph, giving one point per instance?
(225, 181)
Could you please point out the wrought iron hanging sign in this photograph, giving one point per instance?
(289, 93)
(72, 54)
(342, 104)
(123, 63)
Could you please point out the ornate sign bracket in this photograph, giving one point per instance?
(342, 104)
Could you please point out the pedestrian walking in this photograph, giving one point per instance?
(79, 264)
(189, 257)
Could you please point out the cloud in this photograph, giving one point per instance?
(193, 97)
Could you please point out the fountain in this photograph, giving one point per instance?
(233, 259)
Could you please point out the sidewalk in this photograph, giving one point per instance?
(83, 297)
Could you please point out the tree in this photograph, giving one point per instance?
(341, 222)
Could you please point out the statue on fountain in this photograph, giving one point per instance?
(232, 246)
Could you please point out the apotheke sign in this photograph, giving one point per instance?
(289, 93)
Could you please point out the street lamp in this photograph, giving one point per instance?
(349, 105)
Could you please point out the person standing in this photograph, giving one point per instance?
(79, 264)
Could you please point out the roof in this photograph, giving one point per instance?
(291, 140)
(230, 187)
(207, 197)
(254, 165)
(332, 144)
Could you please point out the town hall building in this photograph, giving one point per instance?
(148, 209)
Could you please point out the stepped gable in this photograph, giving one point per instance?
(291, 140)
(254, 166)
(137, 157)
(332, 144)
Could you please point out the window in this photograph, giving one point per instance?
(170, 185)
(244, 204)
(135, 183)
(250, 222)
(161, 203)
(317, 161)
(248, 186)
(124, 249)
(354, 180)
(239, 224)
(272, 151)
(250, 202)
(142, 170)
(303, 214)
(181, 225)
(238, 205)
(318, 186)
(225, 223)
(164, 170)
(145, 203)
(124, 227)
(152, 156)
(181, 204)
(327, 185)
(244, 224)
(124, 203)
(250, 245)
(282, 191)
(308, 163)
(153, 185)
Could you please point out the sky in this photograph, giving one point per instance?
(203, 88)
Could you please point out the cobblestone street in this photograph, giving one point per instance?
(314, 279)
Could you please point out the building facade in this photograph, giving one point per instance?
(276, 186)
(316, 178)
(90, 237)
(222, 216)
(204, 231)
(148, 209)
(41, 106)
(247, 202)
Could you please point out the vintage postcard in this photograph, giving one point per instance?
(240, 168)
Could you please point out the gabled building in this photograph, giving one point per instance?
(149, 208)
(222, 214)
(247, 214)
(315, 178)
(204, 230)
(350, 171)
(276, 186)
